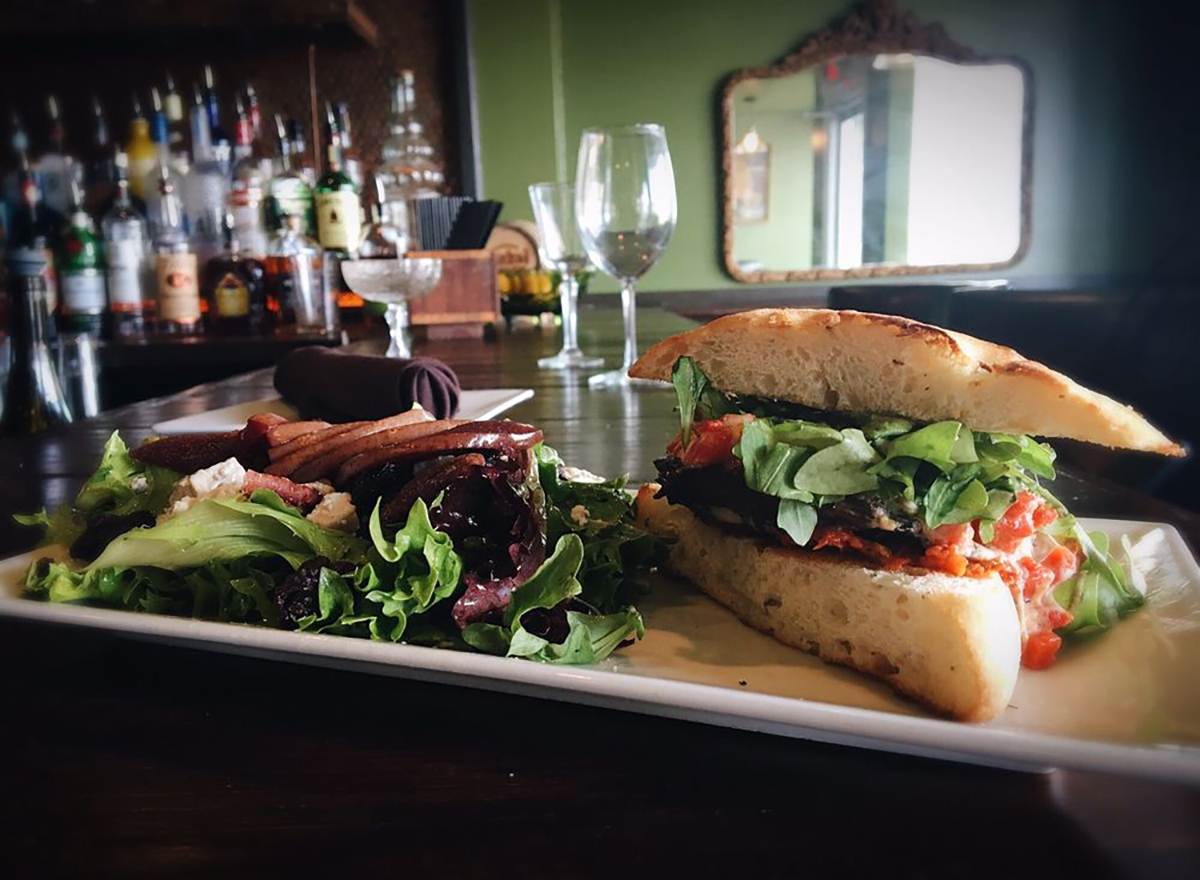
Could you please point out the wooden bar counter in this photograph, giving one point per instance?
(131, 759)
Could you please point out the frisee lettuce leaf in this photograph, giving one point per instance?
(224, 530)
(236, 591)
(405, 575)
(119, 486)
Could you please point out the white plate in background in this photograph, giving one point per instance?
(475, 404)
(1125, 702)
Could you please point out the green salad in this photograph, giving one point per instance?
(257, 560)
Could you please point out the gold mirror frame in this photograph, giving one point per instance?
(877, 26)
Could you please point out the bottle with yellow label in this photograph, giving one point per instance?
(339, 212)
(177, 287)
(233, 284)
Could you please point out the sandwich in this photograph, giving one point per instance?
(444, 533)
(868, 489)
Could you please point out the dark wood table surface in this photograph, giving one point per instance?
(138, 760)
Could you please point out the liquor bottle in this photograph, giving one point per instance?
(351, 163)
(246, 190)
(205, 190)
(33, 399)
(143, 161)
(173, 104)
(160, 136)
(177, 287)
(222, 149)
(339, 213)
(29, 224)
(100, 177)
(408, 164)
(19, 145)
(254, 110)
(299, 153)
(288, 192)
(233, 284)
(296, 292)
(55, 168)
(80, 262)
(130, 267)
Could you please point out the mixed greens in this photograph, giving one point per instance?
(939, 474)
(261, 561)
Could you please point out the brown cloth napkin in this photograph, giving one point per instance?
(325, 383)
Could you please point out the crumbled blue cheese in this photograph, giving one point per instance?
(578, 475)
(335, 511)
(580, 515)
(225, 479)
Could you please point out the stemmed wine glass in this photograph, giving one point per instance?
(558, 234)
(625, 207)
(394, 282)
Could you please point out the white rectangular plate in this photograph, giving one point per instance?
(475, 404)
(1125, 702)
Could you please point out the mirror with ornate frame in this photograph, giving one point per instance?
(878, 147)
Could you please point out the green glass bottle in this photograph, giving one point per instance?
(81, 272)
(339, 214)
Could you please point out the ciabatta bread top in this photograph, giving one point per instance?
(867, 363)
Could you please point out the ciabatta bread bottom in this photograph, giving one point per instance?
(954, 643)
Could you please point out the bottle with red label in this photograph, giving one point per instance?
(233, 285)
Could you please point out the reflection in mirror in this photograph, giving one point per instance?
(872, 161)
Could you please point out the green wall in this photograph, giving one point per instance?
(664, 61)
(784, 240)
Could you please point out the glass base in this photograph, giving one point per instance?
(621, 379)
(570, 360)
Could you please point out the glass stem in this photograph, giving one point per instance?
(570, 313)
(397, 321)
(629, 309)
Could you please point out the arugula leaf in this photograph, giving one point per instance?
(590, 637)
(696, 396)
(877, 428)
(801, 433)
(797, 519)
(615, 549)
(1024, 451)
(956, 497)
(840, 469)
(942, 444)
(1098, 596)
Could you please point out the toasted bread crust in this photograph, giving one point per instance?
(861, 362)
(952, 643)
